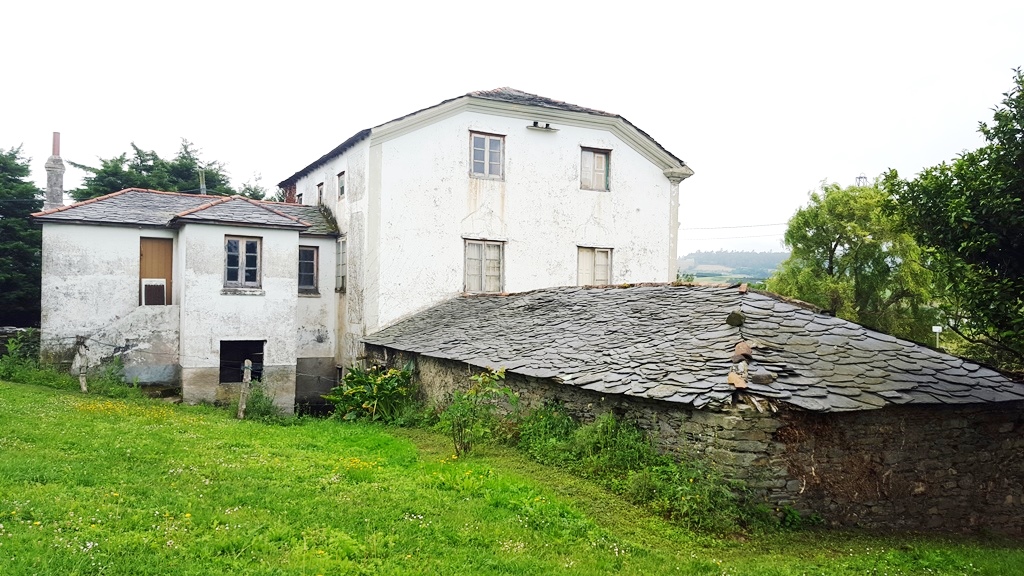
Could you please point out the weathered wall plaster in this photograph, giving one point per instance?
(210, 314)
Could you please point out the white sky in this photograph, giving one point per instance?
(763, 99)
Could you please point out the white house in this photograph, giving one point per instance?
(184, 288)
(496, 191)
(493, 191)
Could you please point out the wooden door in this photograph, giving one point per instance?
(155, 257)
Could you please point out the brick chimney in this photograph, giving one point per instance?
(289, 193)
(54, 177)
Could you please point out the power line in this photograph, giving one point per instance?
(731, 227)
(779, 235)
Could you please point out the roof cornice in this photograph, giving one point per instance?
(625, 130)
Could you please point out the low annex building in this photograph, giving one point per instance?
(184, 287)
(810, 410)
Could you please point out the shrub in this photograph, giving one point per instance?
(471, 416)
(374, 394)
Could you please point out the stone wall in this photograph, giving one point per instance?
(935, 467)
(909, 467)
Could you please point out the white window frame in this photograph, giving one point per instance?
(476, 276)
(587, 266)
(242, 264)
(298, 198)
(593, 177)
(341, 184)
(488, 165)
(310, 288)
(341, 265)
(320, 194)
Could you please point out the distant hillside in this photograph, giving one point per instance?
(731, 266)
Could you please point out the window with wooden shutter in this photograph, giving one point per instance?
(341, 265)
(594, 169)
(594, 266)
(484, 270)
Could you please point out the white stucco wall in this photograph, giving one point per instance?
(90, 287)
(429, 204)
(208, 315)
(316, 315)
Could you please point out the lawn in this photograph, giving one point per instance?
(92, 485)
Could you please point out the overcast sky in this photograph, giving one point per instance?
(763, 100)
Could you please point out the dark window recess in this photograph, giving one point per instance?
(234, 353)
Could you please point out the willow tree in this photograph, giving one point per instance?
(853, 259)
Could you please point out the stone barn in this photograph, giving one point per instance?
(811, 411)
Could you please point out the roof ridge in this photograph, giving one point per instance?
(201, 207)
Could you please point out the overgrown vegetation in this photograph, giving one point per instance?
(375, 394)
(21, 364)
(622, 458)
(472, 415)
(98, 486)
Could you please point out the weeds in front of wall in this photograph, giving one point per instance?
(472, 416)
(20, 364)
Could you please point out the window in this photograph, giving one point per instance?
(594, 169)
(487, 155)
(241, 262)
(341, 185)
(341, 265)
(308, 264)
(298, 198)
(594, 266)
(484, 268)
(320, 194)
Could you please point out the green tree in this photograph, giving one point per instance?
(969, 214)
(146, 169)
(20, 241)
(853, 259)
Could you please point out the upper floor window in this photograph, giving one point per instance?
(594, 266)
(320, 194)
(594, 169)
(341, 184)
(487, 155)
(484, 266)
(241, 262)
(298, 198)
(308, 268)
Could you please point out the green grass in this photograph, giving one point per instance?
(91, 485)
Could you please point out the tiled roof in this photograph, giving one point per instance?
(673, 344)
(242, 212)
(138, 207)
(504, 94)
(514, 96)
(133, 206)
(318, 221)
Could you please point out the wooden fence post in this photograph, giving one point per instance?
(82, 363)
(243, 395)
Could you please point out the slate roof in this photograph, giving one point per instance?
(673, 344)
(504, 94)
(154, 208)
